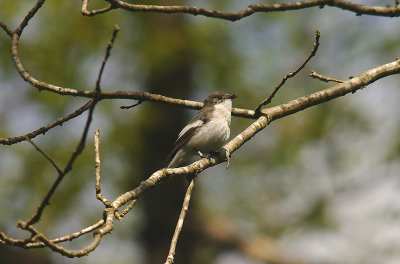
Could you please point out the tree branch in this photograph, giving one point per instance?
(315, 75)
(359, 9)
(43, 130)
(45, 155)
(6, 29)
(99, 195)
(290, 74)
(106, 56)
(179, 224)
(85, 12)
(28, 17)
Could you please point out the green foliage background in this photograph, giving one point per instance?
(322, 184)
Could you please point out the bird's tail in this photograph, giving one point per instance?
(175, 159)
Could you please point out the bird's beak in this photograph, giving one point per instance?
(232, 96)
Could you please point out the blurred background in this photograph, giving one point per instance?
(321, 186)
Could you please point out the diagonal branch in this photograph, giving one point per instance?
(179, 224)
(28, 17)
(6, 29)
(290, 74)
(4, 239)
(45, 155)
(106, 56)
(99, 194)
(43, 130)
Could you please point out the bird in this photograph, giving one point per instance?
(207, 132)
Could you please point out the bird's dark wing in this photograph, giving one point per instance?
(182, 140)
(202, 117)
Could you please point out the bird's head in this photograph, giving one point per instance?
(217, 98)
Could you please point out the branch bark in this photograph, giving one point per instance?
(358, 9)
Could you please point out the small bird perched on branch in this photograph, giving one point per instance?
(207, 132)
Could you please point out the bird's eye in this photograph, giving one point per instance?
(220, 97)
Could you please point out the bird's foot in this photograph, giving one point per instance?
(222, 153)
(202, 155)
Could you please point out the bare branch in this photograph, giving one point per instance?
(6, 28)
(69, 253)
(106, 56)
(119, 216)
(69, 237)
(273, 113)
(85, 12)
(359, 9)
(99, 195)
(179, 224)
(43, 130)
(45, 155)
(130, 106)
(28, 17)
(290, 74)
(323, 78)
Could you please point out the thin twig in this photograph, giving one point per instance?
(45, 155)
(106, 56)
(44, 129)
(273, 113)
(85, 12)
(324, 78)
(359, 9)
(290, 74)
(6, 29)
(99, 195)
(69, 237)
(119, 216)
(179, 224)
(28, 17)
(69, 253)
(130, 106)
